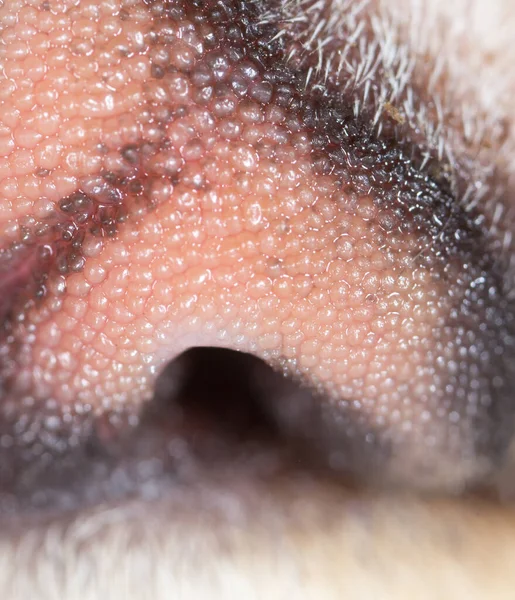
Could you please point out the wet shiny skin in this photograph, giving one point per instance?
(233, 238)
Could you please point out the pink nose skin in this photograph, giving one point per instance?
(182, 184)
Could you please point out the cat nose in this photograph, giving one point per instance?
(199, 192)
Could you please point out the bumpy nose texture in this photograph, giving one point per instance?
(187, 190)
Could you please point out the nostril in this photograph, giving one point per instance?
(230, 410)
(214, 392)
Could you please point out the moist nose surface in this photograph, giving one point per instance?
(193, 190)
